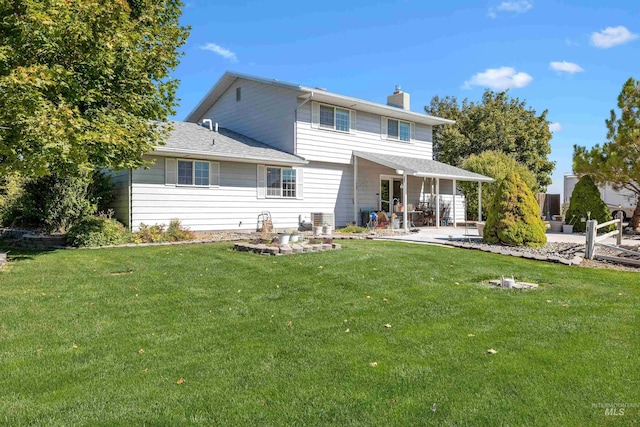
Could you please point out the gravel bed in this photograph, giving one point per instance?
(564, 253)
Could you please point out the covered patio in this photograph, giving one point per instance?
(407, 186)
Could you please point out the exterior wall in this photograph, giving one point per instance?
(234, 205)
(120, 205)
(265, 113)
(332, 146)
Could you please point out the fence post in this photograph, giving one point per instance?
(619, 236)
(591, 239)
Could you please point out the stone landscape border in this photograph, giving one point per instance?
(264, 249)
(504, 250)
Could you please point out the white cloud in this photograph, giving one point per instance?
(612, 36)
(555, 127)
(499, 79)
(517, 6)
(225, 53)
(566, 67)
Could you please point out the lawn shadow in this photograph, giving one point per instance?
(19, 253)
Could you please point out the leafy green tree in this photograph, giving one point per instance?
(81, 82)
(514, 218)
(494, 164)
(586, 203)
(498, 123)
(53, 203)
(617, 161)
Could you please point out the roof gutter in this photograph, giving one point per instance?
(163, 151)
(456, 177)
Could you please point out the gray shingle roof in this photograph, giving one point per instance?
(422, 167)
(191, 139)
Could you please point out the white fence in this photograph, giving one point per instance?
(593, 239)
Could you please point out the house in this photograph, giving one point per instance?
(255, 145)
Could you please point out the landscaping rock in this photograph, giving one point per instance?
(336, 246)
(297, 249)
(271, 250)
(286, 250)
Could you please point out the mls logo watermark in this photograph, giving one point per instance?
(615, 409)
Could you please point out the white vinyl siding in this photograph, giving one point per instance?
(315, 144)
(328, 188)
(234, 205)
(264, 112)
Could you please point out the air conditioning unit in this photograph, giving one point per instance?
(320, 219)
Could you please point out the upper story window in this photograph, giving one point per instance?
(238, 94)
(193, 173)
(332, 118)
(281, 182)
(396, 129)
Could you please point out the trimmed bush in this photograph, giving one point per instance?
(586, 198)
(98, 230)
(156, 233)
(514, 218)
(494, 164)
(351, 228)
(176, 232)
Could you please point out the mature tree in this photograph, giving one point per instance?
(514, 219)
(494, 164)
(498, 123)
(617, 161)
(82, 81)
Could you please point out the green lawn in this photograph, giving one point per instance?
(102, 337)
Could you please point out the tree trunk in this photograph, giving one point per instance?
(635, 221)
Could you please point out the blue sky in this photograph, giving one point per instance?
(570, 58)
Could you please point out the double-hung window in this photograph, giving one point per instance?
(193, 172)
(281, 182)
(399, 130)
(335, 118)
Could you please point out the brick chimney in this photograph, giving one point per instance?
(399, 99)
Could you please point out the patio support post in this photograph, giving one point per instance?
(405, 204)
(437, 202)
(479, 200)
(355, 190)
(453, 202)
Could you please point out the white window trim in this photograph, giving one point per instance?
(315, 119)
(385, 130)
(280, 196)
(214, 174)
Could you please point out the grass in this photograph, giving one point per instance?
(102, 337)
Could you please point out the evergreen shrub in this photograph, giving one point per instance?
(514, 218)
(586, 198)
